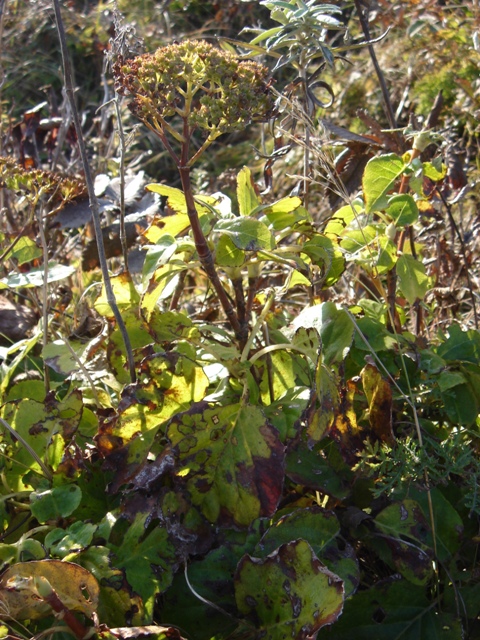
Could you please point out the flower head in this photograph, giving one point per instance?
(210, 89)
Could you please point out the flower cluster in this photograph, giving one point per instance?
(210, 89)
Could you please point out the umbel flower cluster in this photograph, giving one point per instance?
(209, 89)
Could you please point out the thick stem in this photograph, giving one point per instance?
(91, 192)
(206, 257)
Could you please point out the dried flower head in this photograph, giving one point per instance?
(209, 89)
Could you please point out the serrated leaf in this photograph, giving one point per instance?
(412, 278)
(230, 459)
(378, 178)
(289, 594)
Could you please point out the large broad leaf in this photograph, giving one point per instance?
(378, 178)
(118, 604)
(59, 502)
(288, 594)
(247, 234)
(176, 199)
(321, 529)
(247, 197)
(126, 296)
(395, 610)
(230, 459)
(325, 254)
(173, 382)
(74, 586)
(412, 278)
(461, 345)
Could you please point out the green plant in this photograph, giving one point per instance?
(281, 463)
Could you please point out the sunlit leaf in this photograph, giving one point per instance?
(230, 459)
(378, 178)
(246, 233)
(379, 397)
(76, 588)
(36, 277)
(59, 502)
(412, 278)
(247, 196)
(402, 209)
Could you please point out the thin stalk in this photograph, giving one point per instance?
(122, 149)
(389, 112)
(69, 88)
(43, 240)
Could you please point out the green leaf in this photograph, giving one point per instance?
(22, 551)
(321, 529)
(342, 218)
(227, 254)
(148, 559)
(378, 179)
(404, 543)
(402, 209)
(289, 594)
(25, 250)
(247, 234)
(334, 326)
(59, 502)
(395, 609)
(126, 295)
(434, 171)
(460, 345)
(230, 459)
(58, 356)
(36, 277)
(412, 278)
(78, 536)
(247, 197)
(324, 253)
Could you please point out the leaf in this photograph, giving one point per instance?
(412, 278)
(58, 356)
(460, 345)
(59, 502)
(227, 254)
(36, 277)
(321, 529)
(20, 551)
(328, 405)
(402, 209)
(342, 218)
(284, 212)
(176, 201)
(405, 530)
(247, 197)
(148, 560)
(395, 609)
(334, 326)
(230, 459)
(379, 397)
(126, 296)
(25, 250)
(75, 587)
(117, 604)
(378, 178)
(324, 253)
(78, 536)
(289, 594)
(247, 234)
(151, 631)
(311, 469)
